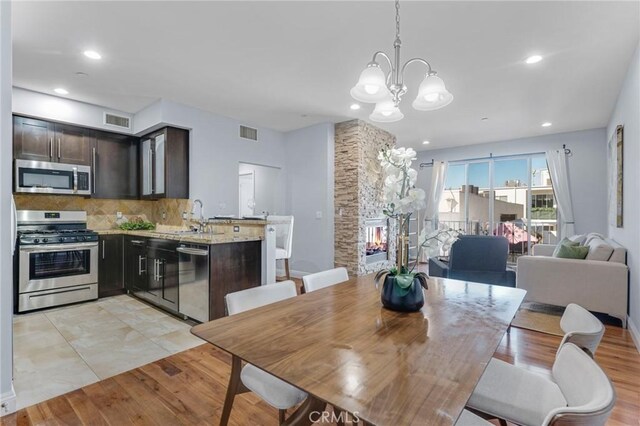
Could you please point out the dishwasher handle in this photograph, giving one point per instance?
(192, 251)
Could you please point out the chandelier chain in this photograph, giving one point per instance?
(397, 19)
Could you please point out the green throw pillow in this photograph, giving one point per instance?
(571, 252)
(565, 242)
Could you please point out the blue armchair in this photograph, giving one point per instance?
(476, 258)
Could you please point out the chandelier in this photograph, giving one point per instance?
(386, 91)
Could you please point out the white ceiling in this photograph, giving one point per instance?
(287, 65)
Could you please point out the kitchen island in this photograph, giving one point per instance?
(185, 273)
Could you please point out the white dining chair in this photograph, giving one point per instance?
(581, 328)
(467, 418)
(578, 393)
(319, 280)
(284, 239)
(274, 391)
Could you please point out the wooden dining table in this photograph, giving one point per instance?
(383, 367)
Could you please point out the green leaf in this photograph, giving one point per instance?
(404, 281)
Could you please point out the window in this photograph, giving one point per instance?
(509, 196)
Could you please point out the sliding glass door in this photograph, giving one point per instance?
(508, 196)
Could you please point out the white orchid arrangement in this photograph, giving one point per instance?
(401, 197)
(400, 194)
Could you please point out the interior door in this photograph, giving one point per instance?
(247, 194)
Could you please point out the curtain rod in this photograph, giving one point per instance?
(566, 150)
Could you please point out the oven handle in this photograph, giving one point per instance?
(58, 247)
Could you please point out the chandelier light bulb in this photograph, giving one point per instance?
(386, 112)
(432, 94)
(371, 86)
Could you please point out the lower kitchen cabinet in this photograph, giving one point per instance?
(110, 266)
(233, 267)
(162, 273)
(135, 264)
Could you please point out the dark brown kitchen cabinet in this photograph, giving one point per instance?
(45, 141)
(32, 139)
(72, 144)
(164, 164)
(110, 265)
(135, 264)
(115, 166)
(232, 267)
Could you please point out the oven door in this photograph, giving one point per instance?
(56, 266)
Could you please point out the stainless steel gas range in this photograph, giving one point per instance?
(57, 259)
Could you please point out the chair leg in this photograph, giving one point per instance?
(502, 422)
(234, 388)
(286, 268)
(281, 414)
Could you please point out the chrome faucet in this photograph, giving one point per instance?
(201, 221)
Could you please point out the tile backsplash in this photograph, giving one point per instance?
(101, 214)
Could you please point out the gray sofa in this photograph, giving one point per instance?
(599, 283)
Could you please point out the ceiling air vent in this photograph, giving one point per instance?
(248, 133)
(117, 120)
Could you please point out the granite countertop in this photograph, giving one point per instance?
(205, 238)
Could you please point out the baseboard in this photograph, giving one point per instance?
(8, 402)
(635, 333)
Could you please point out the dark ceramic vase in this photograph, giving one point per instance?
(395, 298)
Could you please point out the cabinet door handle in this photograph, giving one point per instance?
(140, 260)
(103, 249)
(58, 148)
(160, 265)
(51, 148)
(93, 167)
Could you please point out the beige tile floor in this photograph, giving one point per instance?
(59, 350)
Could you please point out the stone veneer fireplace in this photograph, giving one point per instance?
(358, 196)
(376, 240)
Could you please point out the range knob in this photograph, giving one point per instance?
(44, 240)
(81, 238)
(36, 240)
(61, 239)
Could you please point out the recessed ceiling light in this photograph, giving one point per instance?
(355, 107)
(533, 59)
(484, 118)
(61, 91)
(92, 54)
(546, 124)
(82, 74)
(425, 142)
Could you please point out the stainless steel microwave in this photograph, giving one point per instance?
(43, 177)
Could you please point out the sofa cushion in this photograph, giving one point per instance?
(565, 251)
(599, 250)
(591, 236)
(564, 242)
(578, 238)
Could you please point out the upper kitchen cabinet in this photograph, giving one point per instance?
(115, 166)
(44, 141)
(164, 164)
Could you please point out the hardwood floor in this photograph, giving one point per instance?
(189, 387)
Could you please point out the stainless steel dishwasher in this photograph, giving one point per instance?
(193, 281)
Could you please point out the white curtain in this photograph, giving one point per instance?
(434, 194)
(557, 163)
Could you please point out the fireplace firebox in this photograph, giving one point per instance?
(376, 245)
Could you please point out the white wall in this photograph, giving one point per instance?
(627, 113)
(7, 395)
(310, 187)
(587, 169)
(56, 108)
